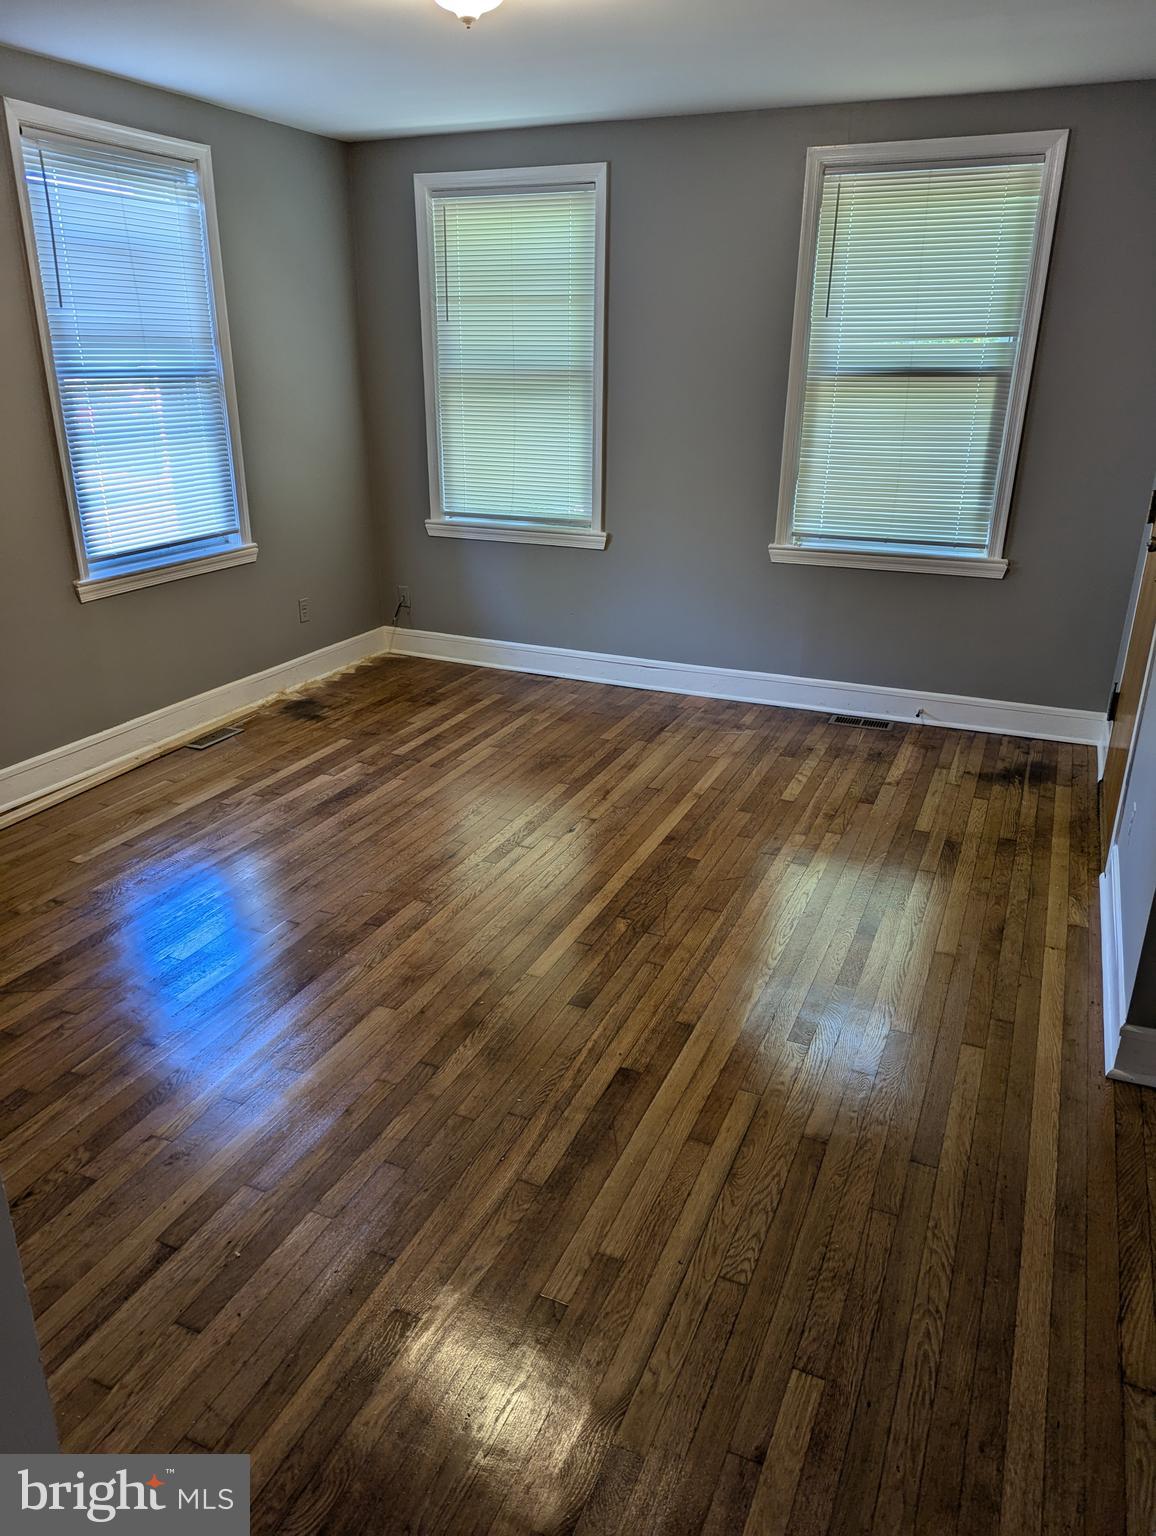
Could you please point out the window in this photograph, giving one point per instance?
(921, 277)
(122, 243)
(512, 273)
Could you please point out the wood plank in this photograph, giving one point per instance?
(770, 1510)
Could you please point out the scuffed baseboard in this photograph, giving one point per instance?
(947, 709)
(39, 782)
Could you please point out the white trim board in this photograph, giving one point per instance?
(1129, 1049)
(1111, 958)
(945, 709)
(64, 771)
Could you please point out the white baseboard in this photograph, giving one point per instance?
(53, 776)
(947, 709)
(1112, 958)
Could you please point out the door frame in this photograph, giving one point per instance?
(1147, 553)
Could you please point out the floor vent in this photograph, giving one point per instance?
(214, 737)
(862, 721)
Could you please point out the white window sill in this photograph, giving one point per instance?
(940, 565)
(93, 587)
(515, 533)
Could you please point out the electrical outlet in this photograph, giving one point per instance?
(303, 613)
(403, 597)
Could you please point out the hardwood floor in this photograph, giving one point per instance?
(510, 1105)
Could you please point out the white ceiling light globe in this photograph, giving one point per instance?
(469, 10)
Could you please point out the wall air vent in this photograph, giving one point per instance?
(862, 721)
(213, 737)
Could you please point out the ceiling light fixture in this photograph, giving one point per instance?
(469, 10)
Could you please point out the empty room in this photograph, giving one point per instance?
(578, 767)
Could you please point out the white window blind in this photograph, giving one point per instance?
(513, 300)
(123, 259)
(918, 310)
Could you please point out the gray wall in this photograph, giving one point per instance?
(704, 232)
(26, 1419)
(704, 238)
(67, 668)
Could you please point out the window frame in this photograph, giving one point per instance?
(20, 115)
(1047, 145)
(507, 530)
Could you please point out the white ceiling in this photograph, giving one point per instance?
(363, 68)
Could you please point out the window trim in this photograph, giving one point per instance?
(23, 114)
(439, 524)
(1050, 145)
